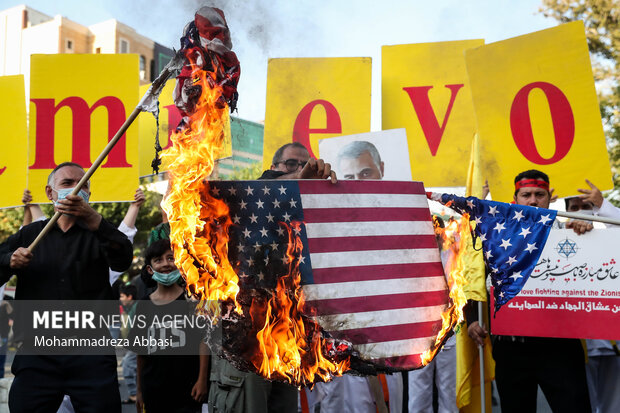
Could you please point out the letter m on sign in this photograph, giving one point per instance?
(80, 133)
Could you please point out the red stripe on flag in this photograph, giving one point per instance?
(389, 333)
(376, 243)
(402, 362)
(376, 272)
(376, 303)
(365, 214)
(361, 187)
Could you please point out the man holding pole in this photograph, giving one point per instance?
(70, 263)
(522, 364)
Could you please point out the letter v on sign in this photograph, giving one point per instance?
(420, 100)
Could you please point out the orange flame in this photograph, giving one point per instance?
(288, 346)
(285, 352)
(198, 222)
(454, 239)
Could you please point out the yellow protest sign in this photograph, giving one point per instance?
(315, 98)
(13, 140)
(77, 104)
(425, 90)
(169, 118)
(536, 108)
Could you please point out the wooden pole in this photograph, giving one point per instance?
(483, 399)
(145, 104)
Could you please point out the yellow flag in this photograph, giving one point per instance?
(536, 108)
(467, 353)
(13, 140)
(77, 104)
(315, 98)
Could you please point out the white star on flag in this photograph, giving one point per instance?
(257, 246)
(515, 275)
(518, 216)
(247, 233)
(282, 190)
(236, 219)
(488, 254)
(505, 244)
(511, 260)
(266, 190)
(470, 203)
(525, 232)
(215, 191)
(250, 261)
(270, 217)
(243, 204)
(286, 217)
(483, 237)
(259, 204)
(493, 210)
(263, 232)
(302, 259)
(531, 247)
(276, 203)
(249, 190)
(499, 227)
(280, 231)
(293, 203)
(544, 219)
(232, 190)
(253, 218)
(478, 220)
(274, 245)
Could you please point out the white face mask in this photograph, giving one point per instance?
(63, 192)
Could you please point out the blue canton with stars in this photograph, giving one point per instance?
(513, 237)
(258, 243)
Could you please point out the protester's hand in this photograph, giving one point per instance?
(27, 197)
(552, 198)
(593, 195)
(139, 402)
(316, 169)
(477, 333)
(580, 227)
(138, 198)
(20, 258)
(485, 189)
(75, 206)
(200, 391)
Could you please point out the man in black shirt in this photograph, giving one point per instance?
(292, 161)
(70, 263)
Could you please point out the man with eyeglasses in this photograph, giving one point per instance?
(292, 161)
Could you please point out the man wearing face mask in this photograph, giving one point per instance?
(603, 366)
(70, 263)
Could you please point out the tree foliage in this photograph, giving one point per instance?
(600, 18)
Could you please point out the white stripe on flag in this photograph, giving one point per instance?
(353, 321)
(395, 348)
(381, 257)
(368, 229)
(364, 201)
(375, 287)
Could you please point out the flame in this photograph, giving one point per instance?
(285, 352)
(454, 238)
(198, 222)
(288, 346)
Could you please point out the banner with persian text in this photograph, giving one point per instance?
(536, 108)
(77, 104)
(314, 98)
(573, 292)
(425, 90)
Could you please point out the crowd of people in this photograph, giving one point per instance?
(83, 255)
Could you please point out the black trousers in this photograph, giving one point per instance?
(42, 381)
(556, 365)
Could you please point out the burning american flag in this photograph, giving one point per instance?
(369, 263)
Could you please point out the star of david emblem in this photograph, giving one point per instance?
(567, 248)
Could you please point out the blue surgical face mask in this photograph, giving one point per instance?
(63, 192)
(167, 279)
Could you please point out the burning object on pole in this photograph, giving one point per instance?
(263, 319)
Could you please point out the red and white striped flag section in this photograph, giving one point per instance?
(370, 264)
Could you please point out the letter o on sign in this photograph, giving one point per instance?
(561, 117)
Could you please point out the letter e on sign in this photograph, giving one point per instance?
(302, 130)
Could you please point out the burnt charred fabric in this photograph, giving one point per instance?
(205, 42)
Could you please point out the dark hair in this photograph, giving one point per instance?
(50, 177)
(531, 174)
(156, 249)
(129, 290)
(277, 157)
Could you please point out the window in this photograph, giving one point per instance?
(142, 68)
(123, 46)
(98, 50)
(68, 46)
